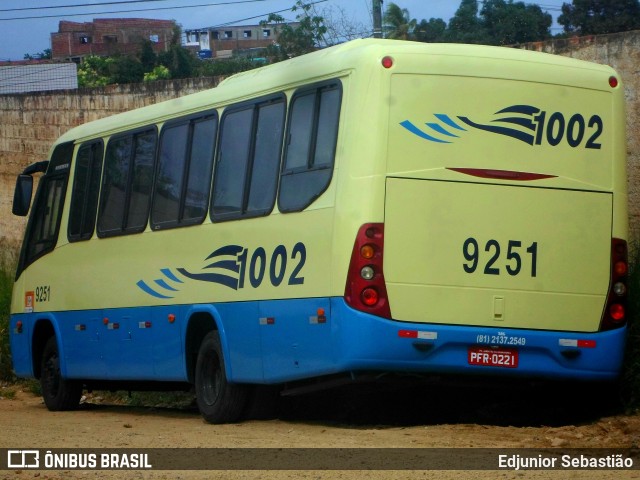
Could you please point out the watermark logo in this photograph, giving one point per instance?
(23, 459)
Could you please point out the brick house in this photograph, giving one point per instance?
(222, 41)
(108, 36)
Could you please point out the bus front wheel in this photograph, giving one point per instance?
(59, 394)
(218, 400)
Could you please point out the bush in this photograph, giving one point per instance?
(7, 271)
(226, 67)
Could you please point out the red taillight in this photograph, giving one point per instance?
(369, 296)
(620, 268)
(366, 290)
(387, 62)
(615, 313)
(613, 82)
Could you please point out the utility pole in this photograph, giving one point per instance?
(377, 18)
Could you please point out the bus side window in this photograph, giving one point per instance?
(86, 186)
(196, 196)
(126, 186)
(44, 225)
(246, 172)
(142, 181)
(312, 135)
(183, 176)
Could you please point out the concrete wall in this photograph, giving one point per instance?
(29, 123)
(622, 52)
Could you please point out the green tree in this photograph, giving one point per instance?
(500, 22)
(397, 23)
(147, 56)
(158, 73)
(594, 17)
(125, 69)
(509, 23)
(465, 26)
(180, 62)
(93, 72)
(305, 37)
(44, 55)
(431, 31)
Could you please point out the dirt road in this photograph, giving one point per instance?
(451, 417)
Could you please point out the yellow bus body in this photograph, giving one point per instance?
(498, 175)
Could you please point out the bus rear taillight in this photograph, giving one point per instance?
(366, 290)
(615, 314)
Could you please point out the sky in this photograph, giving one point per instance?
(20, 35)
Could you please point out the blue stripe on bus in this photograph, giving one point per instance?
(170, 275)
(296, 345)
(161, 283)
(147, 289)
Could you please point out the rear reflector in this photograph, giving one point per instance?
(570, 342)
(418, 334)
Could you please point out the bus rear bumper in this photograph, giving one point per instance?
(367, 342)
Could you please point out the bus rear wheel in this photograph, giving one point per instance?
(218, 400)
(59, 394)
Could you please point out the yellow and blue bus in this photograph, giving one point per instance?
(375, 207)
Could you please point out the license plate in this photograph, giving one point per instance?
(490, 357)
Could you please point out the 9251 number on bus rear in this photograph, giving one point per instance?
(515, 261)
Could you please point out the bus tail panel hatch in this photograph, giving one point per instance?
(497, 255)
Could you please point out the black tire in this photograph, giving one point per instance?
(218, 400)
(59, 394)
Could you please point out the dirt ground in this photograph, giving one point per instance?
(364, 417)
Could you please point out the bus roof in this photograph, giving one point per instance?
(308, 68)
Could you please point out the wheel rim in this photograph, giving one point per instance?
(212, 380)
(51, 374)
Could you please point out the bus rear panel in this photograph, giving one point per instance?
(504, 219)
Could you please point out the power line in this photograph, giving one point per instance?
(237, 2)
(97, 4)
(260, 16)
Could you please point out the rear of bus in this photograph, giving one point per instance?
(503, 248)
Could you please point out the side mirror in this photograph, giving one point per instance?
(22, 195)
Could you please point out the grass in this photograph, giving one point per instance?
(181, 400)
(8, 392)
